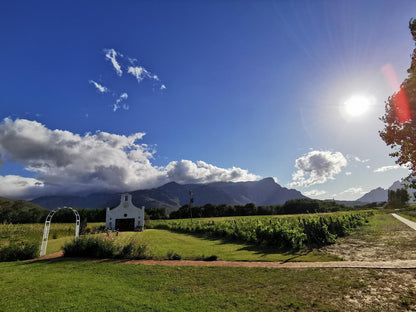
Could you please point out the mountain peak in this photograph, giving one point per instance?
(268, 180)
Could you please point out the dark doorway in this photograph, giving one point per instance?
(125, 224)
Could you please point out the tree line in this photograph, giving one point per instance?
(21, 214)
(293, 206)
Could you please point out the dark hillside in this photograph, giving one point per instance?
(20, 211)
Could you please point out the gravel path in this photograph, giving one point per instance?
(396, 264)
(405, 221)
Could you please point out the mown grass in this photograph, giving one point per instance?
(409, 213)
(160, 242)
(110, 286)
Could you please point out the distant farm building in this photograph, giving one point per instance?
(126, 216)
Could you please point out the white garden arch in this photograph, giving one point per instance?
(48, 225)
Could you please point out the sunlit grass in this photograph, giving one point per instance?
(160, 242)
(109, 286)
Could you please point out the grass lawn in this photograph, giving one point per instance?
(66, 285)
(160, 242)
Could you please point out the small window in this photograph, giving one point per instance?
(126, 198)
(125, 215)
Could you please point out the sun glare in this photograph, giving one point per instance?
(357, 105)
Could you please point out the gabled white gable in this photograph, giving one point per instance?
(125, 216)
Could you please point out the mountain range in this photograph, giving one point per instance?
(381, 195)
(173, 195)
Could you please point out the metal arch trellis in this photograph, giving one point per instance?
(48, 224)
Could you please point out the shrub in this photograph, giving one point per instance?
(98, 247)
(134, 249)
(91, 247)
(211, 258)
(19, 251)
(173, 255)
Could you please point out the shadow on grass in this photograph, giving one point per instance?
(75, 259)
(256, 249)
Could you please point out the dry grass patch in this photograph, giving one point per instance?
(384, 238)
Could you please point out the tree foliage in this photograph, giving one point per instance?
(398, 198)
(400, 118)
(293, 206)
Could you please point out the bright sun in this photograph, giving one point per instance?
(357, 105)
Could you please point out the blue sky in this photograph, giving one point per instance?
(205, 91)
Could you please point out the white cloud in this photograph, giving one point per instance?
(357, 159)
(139, 72)
(12, 186)
(121, 98)
(387, 168)
(65, 162)
(120, 63)
(116, 107)
(348, 173)
(110, 55)
(314, 193)
(352, 191)
(99, 87)
(186, 171)
(317, 167)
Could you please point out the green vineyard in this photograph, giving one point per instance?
(292, 232)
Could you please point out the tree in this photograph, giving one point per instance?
(400, 118)
(398, 198)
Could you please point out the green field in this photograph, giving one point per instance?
(109, 286)
(59, 234)
(245, 238)
(160, 242)
(84, 285)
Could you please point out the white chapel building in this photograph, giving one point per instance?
(125, 217)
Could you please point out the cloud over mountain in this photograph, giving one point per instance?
(317, 167)
(186, 171)
(65, 162)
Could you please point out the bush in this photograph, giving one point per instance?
(19, 251)
(173, 255)
(98, 247)
(91, 247)
(133, 250)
